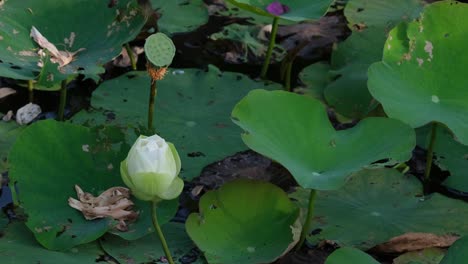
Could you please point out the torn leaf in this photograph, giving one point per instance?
(57, 56)
(112, 203)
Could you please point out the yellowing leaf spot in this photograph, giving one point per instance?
(251, 249)
(435, 99)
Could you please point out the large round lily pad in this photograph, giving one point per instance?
(418, 80)
(192, 111)
(19, 246)
(381, 13)
(98, 29)
(148, 249)
(244, 221)
(299, 10)
(179, 16)
(48, 159)
(377, 205)
(295, 131)
(349, 255)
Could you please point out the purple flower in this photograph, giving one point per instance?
(277, 9)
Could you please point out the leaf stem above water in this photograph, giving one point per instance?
(160, 233)
(153, 92)
(271, 45)
(430, 152)
(308, 220)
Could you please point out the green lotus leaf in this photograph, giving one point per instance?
(9, 132)
(19, 246)
(228, 231)
(457, 253)
(97, 29)
(180, 15)
(192, 111)
(372, 199)
(49, 158)
(299, 10)
(148, 249)
(449, 155)
(347, 93)
(370, 21)
(425, 256)
(417, 80)
(350, 255)
(381, 13)
(315, 78)
(294, 130)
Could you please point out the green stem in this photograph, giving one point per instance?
(430, 152)
(160, 233)
(271, 45)
(63, 100)
(130, 55)
(287, 81)
(153, 91)
(308, 221)
(31, 90)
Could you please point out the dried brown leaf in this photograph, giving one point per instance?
(112, 203)
(57, 56)
(414, 242)
(6, 91)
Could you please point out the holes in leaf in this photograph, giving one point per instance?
(381, 161)
(316, 231)
(196, 154)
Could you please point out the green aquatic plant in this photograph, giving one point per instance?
(40, 46)
(298, 10)
(160, 52)
(151, 171)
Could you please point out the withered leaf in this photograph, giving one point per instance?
(415, 241)
(6, 91)
(57, 56)
(112, 203)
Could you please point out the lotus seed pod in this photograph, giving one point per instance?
(159, 50)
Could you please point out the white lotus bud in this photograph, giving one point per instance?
(151, 169)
